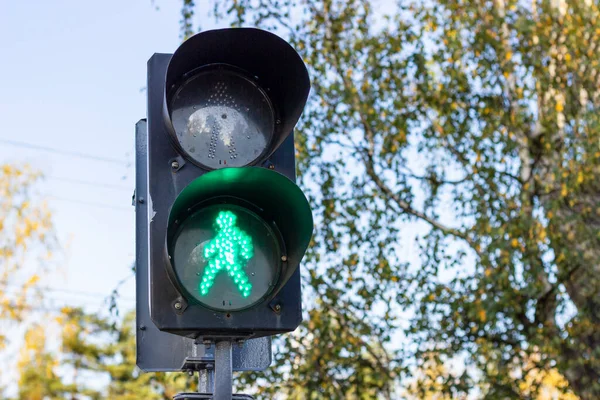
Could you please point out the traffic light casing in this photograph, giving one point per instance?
(228, 226)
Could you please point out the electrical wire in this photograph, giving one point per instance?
(89, 183)
(92, 204)
(15, 287)
(62, 152)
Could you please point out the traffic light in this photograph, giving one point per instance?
(227, 226)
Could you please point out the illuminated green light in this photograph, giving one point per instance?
(230, 250)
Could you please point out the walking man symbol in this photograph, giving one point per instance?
(229, 251)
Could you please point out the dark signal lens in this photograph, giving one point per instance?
(221, 119)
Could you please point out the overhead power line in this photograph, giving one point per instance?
(90, 183)
(92, 204)
(15, 289)
(63, 152)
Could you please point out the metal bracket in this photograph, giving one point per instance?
(268, 164)
(275, 306)
(179, 305)
(177, 163)
(215, 375)
(198, 363)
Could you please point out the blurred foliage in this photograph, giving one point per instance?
(428, 384)
(38, 379)
(92, 353)
(27, 244)
(472, 128)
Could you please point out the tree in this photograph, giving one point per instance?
(26, 236)
(92, 347)
(93, 350)
(38, 378)
(26, 245)
(474, 128)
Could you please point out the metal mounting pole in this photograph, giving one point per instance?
(215, 373)
(223, 371)
(206, 380)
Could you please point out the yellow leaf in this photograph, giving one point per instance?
(559, 106)
(579, 177)
(563, 190)
(488, 271)
(508, 56)
(33, 280)
(482, 315)
(514, 243)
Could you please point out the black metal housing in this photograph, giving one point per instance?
(283, 75)
(260, 55)
(162, 351)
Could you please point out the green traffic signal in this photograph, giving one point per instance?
(226, 257)
(229, 250)
(235, 236)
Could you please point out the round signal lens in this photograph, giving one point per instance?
(226, 257)
(221, 119)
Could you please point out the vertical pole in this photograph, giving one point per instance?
(206, 375)
(223, 373)
(206, 380)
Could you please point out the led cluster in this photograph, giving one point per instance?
(230, 250)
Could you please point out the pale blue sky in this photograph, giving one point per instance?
(71, 75)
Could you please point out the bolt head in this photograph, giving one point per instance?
(278, 307)
(175, 165)
(177, 306)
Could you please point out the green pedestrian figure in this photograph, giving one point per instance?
(229, 251)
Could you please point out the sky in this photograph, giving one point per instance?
(72, 79)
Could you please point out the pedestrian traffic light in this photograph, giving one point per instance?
(227, 226)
